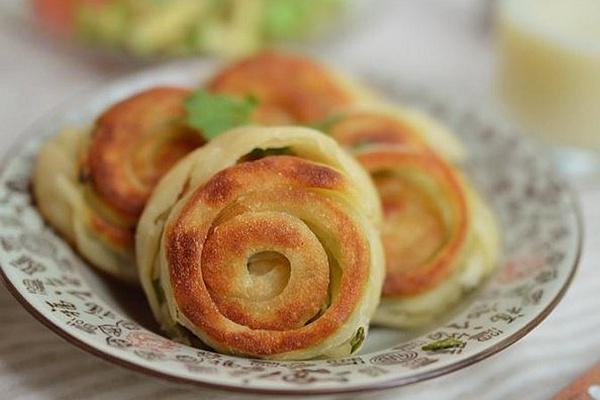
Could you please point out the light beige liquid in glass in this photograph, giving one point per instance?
(548, 68)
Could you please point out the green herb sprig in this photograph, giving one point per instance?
(212, 114)
(443, 344)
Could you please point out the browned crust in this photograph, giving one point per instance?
(117, 236)
(432, 273)
(289, 88)
(306, 174)
(364, 128)
(185, 238)
(118, 135)
(228, 245)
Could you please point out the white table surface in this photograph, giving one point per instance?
(437, 42)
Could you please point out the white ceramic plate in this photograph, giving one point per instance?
(541, 233)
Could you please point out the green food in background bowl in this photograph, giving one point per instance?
(223, 27)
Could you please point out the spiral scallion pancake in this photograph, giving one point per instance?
(440, 238)
(93, 184)
(289, 89)
(263, 243)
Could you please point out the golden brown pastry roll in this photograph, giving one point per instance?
(289, 89)
(92, 185)
(440, 238)
(263, 243)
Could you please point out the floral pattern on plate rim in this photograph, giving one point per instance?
(541, 239)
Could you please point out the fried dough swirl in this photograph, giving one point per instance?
(440, 238)
(272, 256)
(92, 186)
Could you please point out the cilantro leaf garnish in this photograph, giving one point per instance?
(257, 154)
(443, 344)
(357, 340)
(276, 151)
(214, 114)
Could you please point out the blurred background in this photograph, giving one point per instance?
(55, 54)
(535, 61)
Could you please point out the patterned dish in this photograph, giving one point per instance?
(541, 237)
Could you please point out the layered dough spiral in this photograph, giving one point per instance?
(263, 243)
(440, 238)
(92, 185)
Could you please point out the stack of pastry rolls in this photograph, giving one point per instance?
(284, 237)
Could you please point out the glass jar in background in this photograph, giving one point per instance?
(548, 75)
